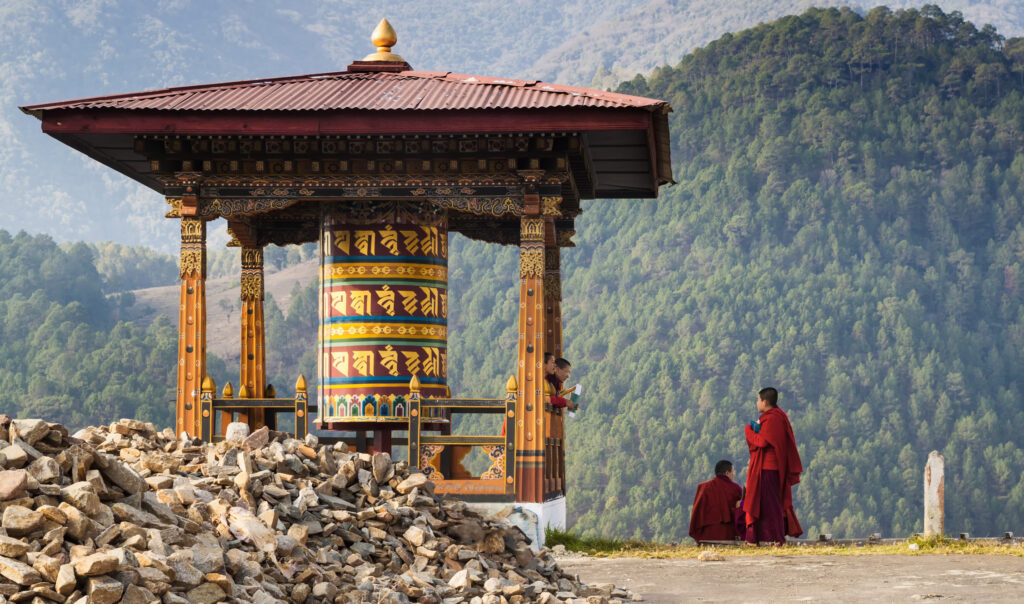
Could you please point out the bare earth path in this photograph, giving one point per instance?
(871, 578)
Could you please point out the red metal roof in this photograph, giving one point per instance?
(377, 91)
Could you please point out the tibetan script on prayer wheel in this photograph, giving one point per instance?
(383, 309)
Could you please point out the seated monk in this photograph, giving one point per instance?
(715, 505)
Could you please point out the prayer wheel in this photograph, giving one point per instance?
(383, 308)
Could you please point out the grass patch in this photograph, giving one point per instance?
(615, 548)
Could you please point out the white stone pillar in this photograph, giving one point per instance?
(934, 495)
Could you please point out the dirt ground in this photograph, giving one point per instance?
(872, 578)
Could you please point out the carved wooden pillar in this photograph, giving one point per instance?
(191, 324)
(530, 416)
(552, 291)
(253, 356)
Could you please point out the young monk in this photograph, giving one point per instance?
(715, 505)
(774, 468)
(561, 371)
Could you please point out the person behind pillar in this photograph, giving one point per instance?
(775, 467)
(560, 370)
(715, 506)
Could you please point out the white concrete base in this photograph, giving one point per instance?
(531, 518)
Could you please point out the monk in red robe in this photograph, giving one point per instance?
(715, 505)
(560, 372)
(775, 467)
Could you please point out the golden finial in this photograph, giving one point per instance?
(300, 384)
(208, 385)
(414, 384)
(243, 392)
(228, 392)
(384, 37)
(512, 385)
(269, 391)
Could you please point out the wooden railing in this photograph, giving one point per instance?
(554, 451)
(210, 407)
(425, 449)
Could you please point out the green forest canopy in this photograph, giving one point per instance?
(847, 228)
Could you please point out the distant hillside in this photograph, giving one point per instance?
(847, 227)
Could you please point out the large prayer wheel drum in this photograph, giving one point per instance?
(383, 308)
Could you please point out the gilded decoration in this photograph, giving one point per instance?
(550, 206)
(193, 230)
(193, 262)
(531, 262)
(251, 285)
(232, 207)
(193, 248)
(252, 258)
(497, 456)
(564, 238)
(532, 229)
(482, 206)
(175, 211)
(430, 461)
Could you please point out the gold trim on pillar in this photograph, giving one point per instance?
(253, 337)
(530, 428)
(252, 274)
(191, 325)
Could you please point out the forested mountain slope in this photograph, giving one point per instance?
(847, 228)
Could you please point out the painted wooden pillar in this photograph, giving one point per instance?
(530, 416)
(191, 325)
(253, 355)
(552, 291)
(553, 344)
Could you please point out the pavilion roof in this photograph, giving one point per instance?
(373, 91)
(623, 145)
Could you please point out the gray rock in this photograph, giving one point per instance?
(236, 431)
(29, 430)
(104, 590)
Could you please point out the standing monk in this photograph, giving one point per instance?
(714, 506)
(774, 468)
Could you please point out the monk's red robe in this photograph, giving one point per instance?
(714, 508)
(556, 401)
(774, 440)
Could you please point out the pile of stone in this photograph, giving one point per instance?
(128, 514)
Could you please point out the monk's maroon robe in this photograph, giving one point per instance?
(769, 500)
(714, 508)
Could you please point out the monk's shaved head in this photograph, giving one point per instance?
(723, 467)
(770, 396)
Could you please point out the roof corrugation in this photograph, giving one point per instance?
(375, 91)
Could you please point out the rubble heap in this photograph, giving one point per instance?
(128, 514)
